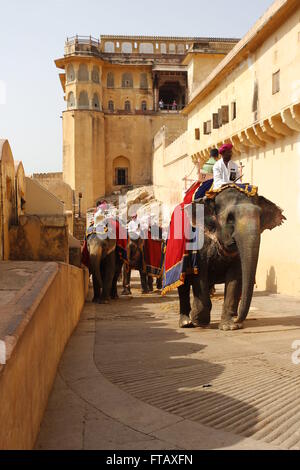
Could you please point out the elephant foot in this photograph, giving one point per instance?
(230, 325)
(126, 292)
(114, 297)
(103, 301)
(200, 320)
(95, 300)
(150, 289)
(185, 322)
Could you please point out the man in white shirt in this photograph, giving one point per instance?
(226, 171)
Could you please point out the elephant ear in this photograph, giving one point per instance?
(210, 220)
(271, 214)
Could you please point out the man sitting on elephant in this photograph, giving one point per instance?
(225, 170)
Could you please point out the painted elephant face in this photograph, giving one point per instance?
(134, 252)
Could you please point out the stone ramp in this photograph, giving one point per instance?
(140, 383)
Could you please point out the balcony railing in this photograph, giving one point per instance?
(82, 44)
(171, 107)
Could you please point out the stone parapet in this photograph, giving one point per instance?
(40, 305)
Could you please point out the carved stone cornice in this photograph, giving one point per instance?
(252, 136)
(266, 126)
(289, 120)
(244, 140)
(279, 127)
(262, 135)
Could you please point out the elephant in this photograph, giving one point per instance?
(135, 260)
(105, 266)
(233, 223)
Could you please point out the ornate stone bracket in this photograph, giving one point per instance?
(262, 134)
(254, 139)
(279, 127)
(290, 120)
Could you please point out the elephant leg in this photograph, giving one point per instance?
(95, 260)
(159, 283)
(184, 304)
(233, 290)
(150, 283)
(108, 268)
(114, 289)
(144, 284)
(200, 314)
(96, 287)
(126, 280)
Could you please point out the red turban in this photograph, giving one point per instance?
(224, 148)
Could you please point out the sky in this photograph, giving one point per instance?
(32, 35)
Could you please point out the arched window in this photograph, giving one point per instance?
(121, 171)
(109, 47)
(111, 106)
(126, 47)
(127, 106)
(83, 102)
(95, 74)
(127, 81)
(83, 73)
(71, 100)
(143, 81)
(70, 73)
(110, 80)
(144, 105)
(96, 102)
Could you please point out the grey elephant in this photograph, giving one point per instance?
(135, 260)
(105, 265)
(233, 224)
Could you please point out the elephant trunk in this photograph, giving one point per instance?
(96, 252)
(247, 237)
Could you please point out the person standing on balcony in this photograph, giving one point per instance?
(161, 104)
(174, 105)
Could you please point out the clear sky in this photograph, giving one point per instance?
(32, 35)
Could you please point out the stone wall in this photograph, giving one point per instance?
(8, 209)
(42, 238)
(34, 329)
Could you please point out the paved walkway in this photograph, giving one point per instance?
(130, 379)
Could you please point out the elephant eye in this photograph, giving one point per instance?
(230, 218)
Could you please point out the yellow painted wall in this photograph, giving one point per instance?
(199, 67)
(39, 201)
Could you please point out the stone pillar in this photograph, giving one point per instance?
(155, 93)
